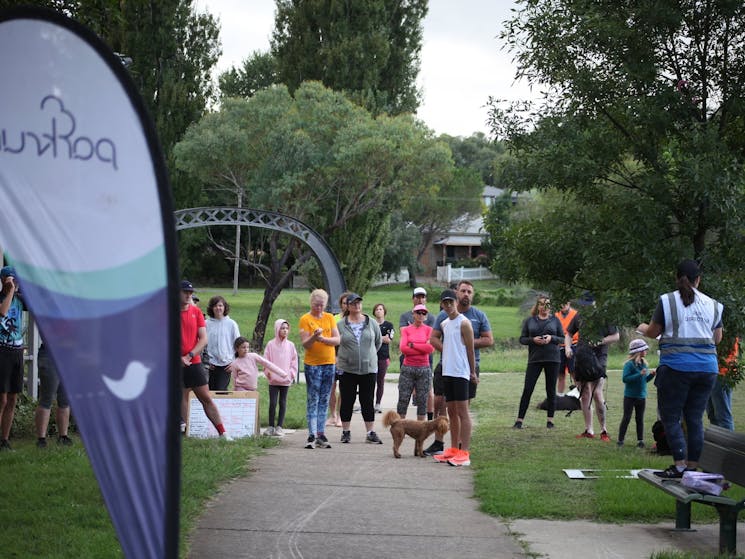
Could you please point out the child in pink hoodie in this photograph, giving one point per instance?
(245, 370)
(283, 354)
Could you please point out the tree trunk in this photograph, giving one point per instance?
(237, 264)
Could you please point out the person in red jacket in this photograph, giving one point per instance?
(415, 370)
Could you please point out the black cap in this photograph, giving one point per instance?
(689, 269)
(448, 294)
(352, 297)
(187, 286)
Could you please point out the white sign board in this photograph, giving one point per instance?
(239, 411)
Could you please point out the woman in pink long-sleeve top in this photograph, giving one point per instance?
(416, 372)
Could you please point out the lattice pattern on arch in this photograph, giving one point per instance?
(205, 217)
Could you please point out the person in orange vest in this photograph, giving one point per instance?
(566, 366)
(719, 406)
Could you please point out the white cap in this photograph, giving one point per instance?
(419, 291)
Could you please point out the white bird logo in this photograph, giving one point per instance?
(132, 384)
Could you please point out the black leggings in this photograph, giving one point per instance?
(636, 405)
(348, 385)
(532, 372)
(275, 393)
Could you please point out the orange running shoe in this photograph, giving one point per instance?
(463, 458)
(585, 435)
(604, 437)
(446, 455)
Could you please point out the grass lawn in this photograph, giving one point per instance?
(52, 506)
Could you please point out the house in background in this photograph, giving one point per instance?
(463, 240)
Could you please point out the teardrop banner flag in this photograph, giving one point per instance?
(87, 221)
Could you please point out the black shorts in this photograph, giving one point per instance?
(456, 389)
(11, 370)
(437, 380)
(194, 376)
(472, 386)
(49, 383)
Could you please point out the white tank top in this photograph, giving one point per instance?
(454, 357)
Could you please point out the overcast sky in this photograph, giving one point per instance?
(462, 61)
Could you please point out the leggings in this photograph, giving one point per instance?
(409, 379)
(382, 370)
(637, 406)
(277, 393)
(532, 372)
(349, 383)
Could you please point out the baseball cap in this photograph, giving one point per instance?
(447, 294)
(187, 286)
(352, 297)
(420, 308)
(419, 291)
(637, 346)
(8, 271)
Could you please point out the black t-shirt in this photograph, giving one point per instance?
(386, 329)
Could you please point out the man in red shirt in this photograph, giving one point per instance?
(193, 341)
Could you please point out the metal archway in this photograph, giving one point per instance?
(203, 217)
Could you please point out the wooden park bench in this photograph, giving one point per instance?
(723, 453)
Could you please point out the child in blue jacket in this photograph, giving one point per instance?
(636, 375)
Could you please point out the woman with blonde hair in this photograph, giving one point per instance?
(319, 336)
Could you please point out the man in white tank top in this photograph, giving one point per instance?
(458, 370)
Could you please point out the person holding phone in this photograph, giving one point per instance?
(543, 333)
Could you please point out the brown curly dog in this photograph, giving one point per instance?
(418, 430)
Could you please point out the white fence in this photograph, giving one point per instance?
(448, 274)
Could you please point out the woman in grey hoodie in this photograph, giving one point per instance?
(358, 358)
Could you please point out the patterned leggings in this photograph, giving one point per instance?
(409, 379)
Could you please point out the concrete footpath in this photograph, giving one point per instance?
(357, 501)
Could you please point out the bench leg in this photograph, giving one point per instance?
(682, 516)
(727, 530)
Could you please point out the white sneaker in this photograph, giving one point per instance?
(226, 437)
(269, 431)
(278, 432)
(378, 408)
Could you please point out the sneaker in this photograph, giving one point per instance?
(269, 431)
(310, 441)
(278, 432)
(434, 449)
(671, 472)
(585, 435)
(640, 444)
(4, 445)
(372, 437)
(446, 455)
(346, 436)
(604, 437)
(518, 425)
(64, 440)
(378, 409)
(463, 458)
(41, 442)
(225, 437)
(182, 427)
(549, 425)
(619, 444)
(357, 409)
(322, 442)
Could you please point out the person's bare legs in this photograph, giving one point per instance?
(210, 408)
(461, 410)
(333, 417)
(63, 421)
(561, 382)
(597, 396)
(9, 410)
(41, 420)
(454, 424)
(586, 391)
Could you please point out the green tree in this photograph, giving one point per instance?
(368, 48)
(314, 156)
(640, 134)
(259, 71)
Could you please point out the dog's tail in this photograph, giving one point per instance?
(390, 417)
